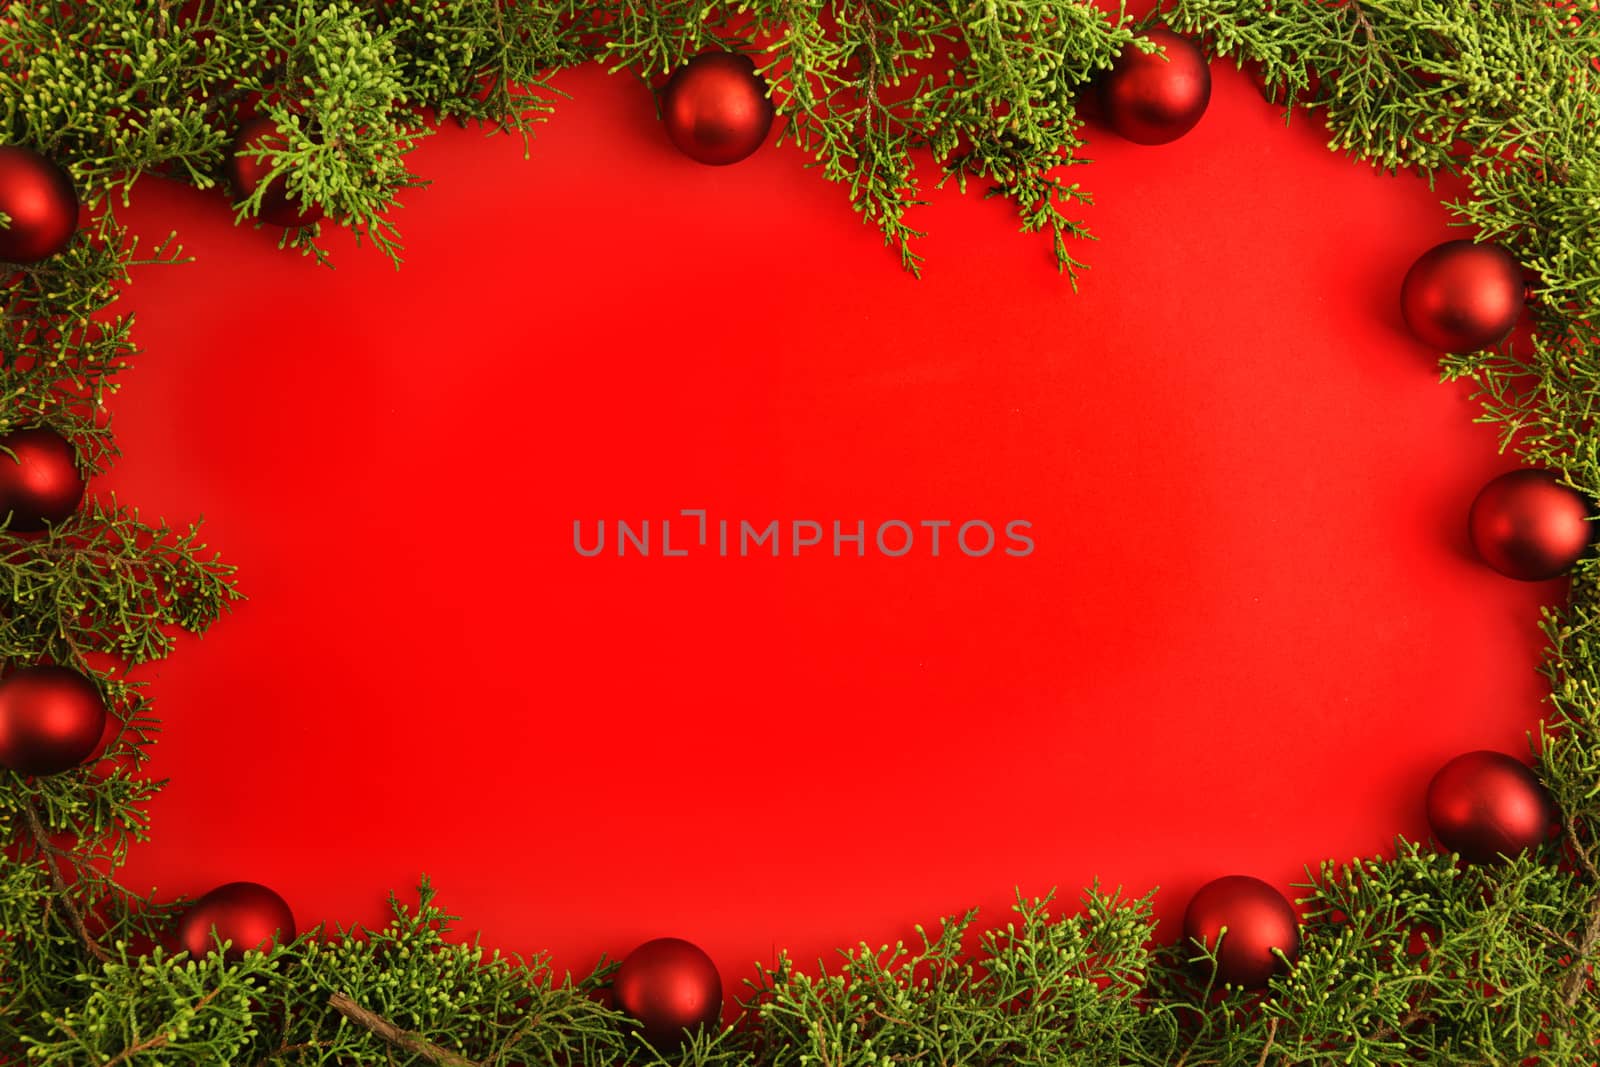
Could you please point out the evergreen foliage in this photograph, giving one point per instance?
(1408, 958)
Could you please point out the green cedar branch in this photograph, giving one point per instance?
(47, 854)
(1407, 956)
(400, 1039)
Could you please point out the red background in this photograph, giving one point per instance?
(1251, 629)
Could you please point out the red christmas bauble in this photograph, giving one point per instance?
(716, 109)
(1156, 97)
(1526, 524)
(51, 720)
(1258, 920)
(1486, 804)
(39, 482)
(247, 172)
(669, 986)
(246, 913)
(1461, 296)
(38, 195)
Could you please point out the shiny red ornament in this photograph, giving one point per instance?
(670, 986)
(716, 109)
(246, 172)
(246, 913)
(1486, 804)
(51, 720)
(1461, 296)
(1527, 525)
(38, 194)
(39, 481)
(1156, 97)
(1258, 920)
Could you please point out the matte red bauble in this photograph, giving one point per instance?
(1526, 524)
(38, 195)
(716, 109)
(247, 172)
(1486, 804)
(669, 986)
(51, 720)
(1156, 97)
(246, 913)
(1462, 296)
(39, 482)
(1258, 920)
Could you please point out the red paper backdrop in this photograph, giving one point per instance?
(1251, 629)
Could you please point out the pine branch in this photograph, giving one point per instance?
(1577, 978)
(1266, 1047)
(1576, 981)
(149, 1044)
(883, 96)
(403, 1040)
(47, 855)
(224, 101)
(1411, 1018)
(156, 1041)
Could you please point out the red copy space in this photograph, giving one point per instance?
(1250, 630)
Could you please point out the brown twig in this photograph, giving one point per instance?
(1577, 977)
(284, 1050)
(1266, 1050)
(511, 1042)
(48, 852)
(404, 1040)
(1580, 854)
(1362, 22)
(150, 1044)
